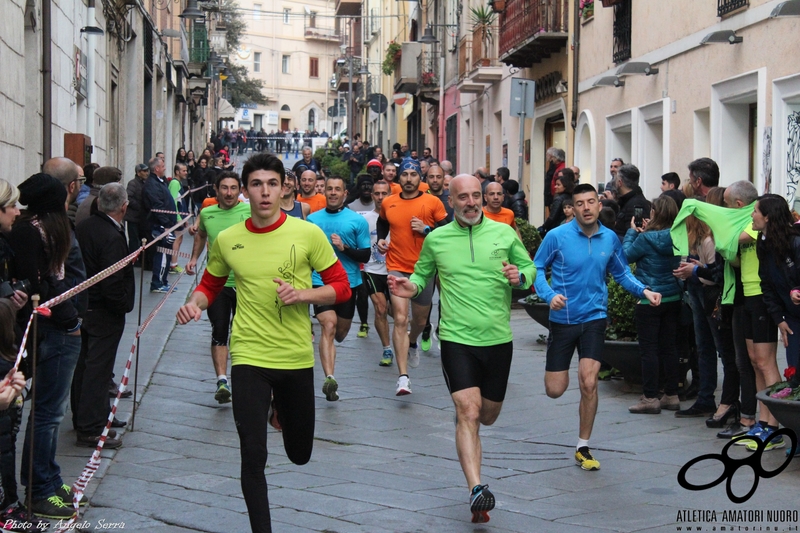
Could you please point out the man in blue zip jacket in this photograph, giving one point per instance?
(581, 254)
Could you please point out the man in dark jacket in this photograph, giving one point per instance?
(103, 243)
(136, 215)
(629, 197)
(516, 199)
(156, 196)
(101, 176)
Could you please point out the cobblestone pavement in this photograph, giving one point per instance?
(383, 463)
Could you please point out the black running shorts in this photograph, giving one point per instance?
(425, 297)
(345, 310)
(220, 314)
(758, 324)
(375, 283)
(588, 338)
(485, 367)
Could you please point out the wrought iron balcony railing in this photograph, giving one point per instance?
(728, 6)
(198, 45)
(523, 20)
(428, 70)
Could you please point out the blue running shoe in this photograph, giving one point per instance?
(481, 501)
(750, 436)
(770, 443)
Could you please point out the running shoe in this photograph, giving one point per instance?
(223, 394)
(363, 331)
(604, 375)
(436, 336)
(15, 518)
(426, 339)
(481, 501)
(793, 451)
(413, 357)
(160, 290)
(66, 495)
(403, 386)
(329, 389)
(52, 507)
(177, 269)
(584, 459)
(750, 436)
(388, 355)
(770, 444)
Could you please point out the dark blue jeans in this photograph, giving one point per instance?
(58, 353)
(161, 261)
(706, 349)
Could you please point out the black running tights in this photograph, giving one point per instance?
(293, 391)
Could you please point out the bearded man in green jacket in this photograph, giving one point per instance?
(478, 262)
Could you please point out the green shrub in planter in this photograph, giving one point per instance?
(621, 312)
(530, 237)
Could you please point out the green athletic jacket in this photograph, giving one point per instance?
(475, 298)
(725, 223)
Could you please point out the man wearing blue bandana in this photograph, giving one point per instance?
(410, 216)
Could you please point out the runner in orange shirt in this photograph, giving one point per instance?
(409, 216)
(308, 180)
(494, 209)
(390, 175)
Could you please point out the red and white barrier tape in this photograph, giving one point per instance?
(190, 191)
(44, 309)
(94, 461)
(170, 251)
(170, 212)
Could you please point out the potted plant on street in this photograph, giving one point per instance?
(482, 18)
(783, 400)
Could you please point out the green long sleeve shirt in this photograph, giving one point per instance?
(475, 295)
(726, 224)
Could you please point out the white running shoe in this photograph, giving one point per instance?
(413, 357)
(403, 386)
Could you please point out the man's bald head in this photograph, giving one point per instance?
(461, 181)
(494, 196)
(63, 169)
(494, 186)
(308, 180)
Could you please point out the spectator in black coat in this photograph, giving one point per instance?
(516, 200)
(103, 243)
(158, 198)
(136, 215)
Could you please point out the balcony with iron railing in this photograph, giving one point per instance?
(313, 32)
(405, 74)
(532, 31)
(343, 75)
(725, 7)
(198, 45)
(485, 67)
(465, 83)
(428, 77)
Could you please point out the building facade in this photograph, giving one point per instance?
(661, 84)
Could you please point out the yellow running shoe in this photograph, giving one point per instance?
(584, 459)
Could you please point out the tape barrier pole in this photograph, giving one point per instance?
(32, 415)
(138, 325)
(93, 464)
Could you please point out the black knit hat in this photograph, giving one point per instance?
(42, 193)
